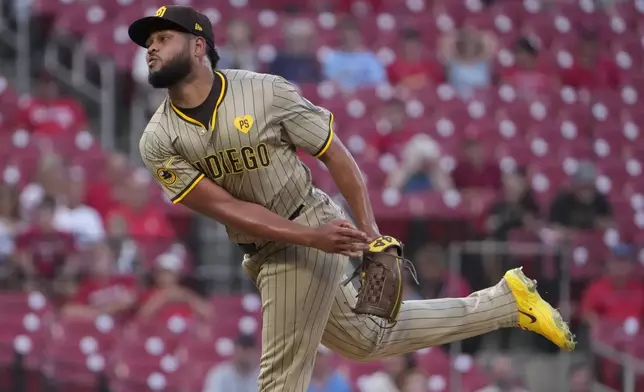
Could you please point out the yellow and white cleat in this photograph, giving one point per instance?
(535, 314)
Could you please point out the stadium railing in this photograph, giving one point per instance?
(631, 367)
(17, 27)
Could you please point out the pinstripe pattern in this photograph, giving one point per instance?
(258, 164)
(251, 153)
(303, 305)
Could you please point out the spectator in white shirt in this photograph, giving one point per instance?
(239, 375)
(78, 219)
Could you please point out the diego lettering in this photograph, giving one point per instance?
(234, 161)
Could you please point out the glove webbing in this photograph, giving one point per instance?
(409, 266)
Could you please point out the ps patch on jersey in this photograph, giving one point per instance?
(244, 123)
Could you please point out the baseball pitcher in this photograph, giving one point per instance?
(223, 143)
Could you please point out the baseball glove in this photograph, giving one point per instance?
(381, 279)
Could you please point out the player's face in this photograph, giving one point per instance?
(169, 60)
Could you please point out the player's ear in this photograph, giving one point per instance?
(200, 48)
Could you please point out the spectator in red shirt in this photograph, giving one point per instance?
(101, 191)
(136, 217)
(617, 295)
(475, 171)
(44, 252)
(103, 291)
(412, 69)
(395, 131)
(591, 69)
(530, 76)
(168, 298)
(47, 112)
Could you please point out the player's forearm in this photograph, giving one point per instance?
(250, 218)
(348, 177)
(257, 221)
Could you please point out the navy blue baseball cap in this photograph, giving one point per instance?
(174, 17)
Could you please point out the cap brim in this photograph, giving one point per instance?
(141, 29)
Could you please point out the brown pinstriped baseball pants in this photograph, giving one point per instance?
(304, 304)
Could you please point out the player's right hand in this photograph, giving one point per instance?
(339, 236)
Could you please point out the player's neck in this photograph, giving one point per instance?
(193, 91)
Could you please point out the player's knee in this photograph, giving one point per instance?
(363, 353)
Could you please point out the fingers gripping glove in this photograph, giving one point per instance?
(381, 279)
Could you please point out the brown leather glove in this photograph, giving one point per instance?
(381, 279)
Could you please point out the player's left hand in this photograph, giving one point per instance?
(338, 236)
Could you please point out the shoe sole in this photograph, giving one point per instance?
(555, 316)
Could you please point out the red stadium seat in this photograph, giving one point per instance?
(434, 359)
(205, 351)
(549, 137)
(589, 253)
(80, 18)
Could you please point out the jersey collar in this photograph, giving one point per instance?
(220, 83)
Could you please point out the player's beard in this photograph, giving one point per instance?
(176, 70)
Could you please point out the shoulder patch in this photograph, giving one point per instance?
(167, 176)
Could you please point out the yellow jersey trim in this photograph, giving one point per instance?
(222, 93)
(328, 141)
(187, 189)
(213, 119)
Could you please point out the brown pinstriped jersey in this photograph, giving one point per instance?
(249, 147)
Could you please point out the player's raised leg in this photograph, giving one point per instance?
(513, 302)
(298, 288)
